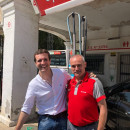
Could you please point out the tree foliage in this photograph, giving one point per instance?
(58, 43)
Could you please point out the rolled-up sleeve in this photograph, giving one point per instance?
(29, 100)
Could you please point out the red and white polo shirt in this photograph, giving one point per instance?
(82, 100)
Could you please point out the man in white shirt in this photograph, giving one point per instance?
(48, 90)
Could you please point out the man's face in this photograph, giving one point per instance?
(78, 66)
(42, 62)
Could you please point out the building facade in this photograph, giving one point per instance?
(20, 26)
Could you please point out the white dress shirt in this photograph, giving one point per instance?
(49, 99)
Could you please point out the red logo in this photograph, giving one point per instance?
(57, 53)
(71, 52)
(34, 3)
(126, 44)
(9, 24)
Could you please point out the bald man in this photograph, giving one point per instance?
(85, 95)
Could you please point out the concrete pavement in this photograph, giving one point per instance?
(28, 126)
(4, 127)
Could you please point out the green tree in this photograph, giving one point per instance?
(58, 43)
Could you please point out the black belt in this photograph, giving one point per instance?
(62, 114)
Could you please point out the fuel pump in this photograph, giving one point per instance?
(84, 35)
(73, 41)
(82, 45)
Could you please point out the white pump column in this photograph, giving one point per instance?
(20, 42)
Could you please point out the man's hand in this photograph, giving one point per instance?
(92, 75)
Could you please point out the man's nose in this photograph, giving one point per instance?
(76, 67)
(42, 62)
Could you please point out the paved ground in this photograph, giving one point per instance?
(28, 126)
(4, 127)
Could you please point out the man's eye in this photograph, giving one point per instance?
(73, 66)
(39, 61)
(78, 65)
(45, 59)
(42, 60)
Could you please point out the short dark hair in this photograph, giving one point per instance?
(41, 51)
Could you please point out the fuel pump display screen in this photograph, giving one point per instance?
(58, 58)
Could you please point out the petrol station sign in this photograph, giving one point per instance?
(52, 6)
(46, 4)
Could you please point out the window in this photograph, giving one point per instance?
(58, 58)
(95, 63)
